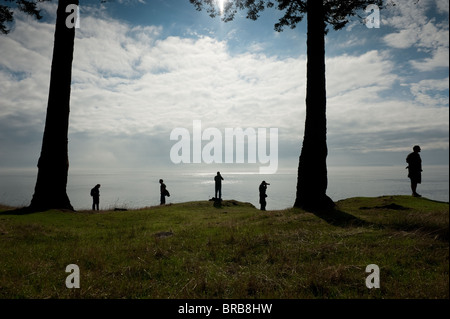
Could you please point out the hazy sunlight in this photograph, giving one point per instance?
(221, 3)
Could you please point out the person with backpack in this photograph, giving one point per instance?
(95, 193)
(164, 192)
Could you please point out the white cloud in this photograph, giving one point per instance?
(173, 81)
(130, 83)
(443, 6)
(406, 14)
(439, 58)
(431, 93)
(403, 39)
(415, 29)
(349, 73)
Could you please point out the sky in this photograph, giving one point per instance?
(143, 68)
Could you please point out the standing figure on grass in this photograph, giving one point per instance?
(218, 186)
(164, 192)
(414, 169)
(262, 194)
(95, 193)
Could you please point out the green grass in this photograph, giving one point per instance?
(196, 250)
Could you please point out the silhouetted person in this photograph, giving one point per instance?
(218, 185)
(95, 193)
(263, 195)
(164, 192)
(414, 169)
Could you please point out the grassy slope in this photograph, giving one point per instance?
(235, 251)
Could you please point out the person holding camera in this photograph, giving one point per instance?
(262, 194)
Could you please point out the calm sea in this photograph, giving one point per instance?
(134, 189)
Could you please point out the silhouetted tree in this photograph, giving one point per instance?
(53, 165)
(312, 178)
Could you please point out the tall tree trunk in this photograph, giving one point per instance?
(53, 165)
(312, 170)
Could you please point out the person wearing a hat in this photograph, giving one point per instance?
(414, 169)
(263, 195)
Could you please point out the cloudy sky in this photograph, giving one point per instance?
(143, 68)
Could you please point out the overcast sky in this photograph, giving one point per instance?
(143, 68)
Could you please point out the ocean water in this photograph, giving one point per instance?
(134, 189)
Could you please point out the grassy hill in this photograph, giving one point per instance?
(196, 250)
